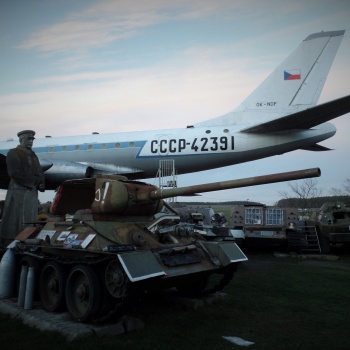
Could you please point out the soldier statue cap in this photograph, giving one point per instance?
(30, 132)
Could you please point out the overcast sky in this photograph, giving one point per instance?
(69, 67)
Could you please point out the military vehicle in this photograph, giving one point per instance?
(264, 225)
(205, 221)
(332, 223)
(118, 245)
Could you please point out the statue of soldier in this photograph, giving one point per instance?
(26, 178)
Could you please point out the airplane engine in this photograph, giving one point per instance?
(63, 170)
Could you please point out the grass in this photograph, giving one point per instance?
(278, 303)
(226, 209)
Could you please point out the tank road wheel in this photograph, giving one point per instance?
(83, 293)
(116, 280)
(114, 289)
(53, 279)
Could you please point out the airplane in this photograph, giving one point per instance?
(279, 116)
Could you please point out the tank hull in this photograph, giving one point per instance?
(106, 263)
(332, 224)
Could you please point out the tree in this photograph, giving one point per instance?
(345, 190)
(304, 194)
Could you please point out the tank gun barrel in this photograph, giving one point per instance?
(245, 182)
(110, 194)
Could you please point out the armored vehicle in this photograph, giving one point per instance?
(108, 241)
(205, 221)
(264, 225)
(332, 223)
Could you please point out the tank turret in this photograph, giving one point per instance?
(111, 194)
(108, 240)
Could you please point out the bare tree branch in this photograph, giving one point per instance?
(303, 193)
(336, 191)
(345, 190)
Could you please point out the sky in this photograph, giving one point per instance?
(72, 67)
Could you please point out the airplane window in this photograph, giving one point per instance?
(77, 147)
(51, 149)
(64, 148)
(103, 145)
(208, 131)
(226, 130)
(89, 146)
(117, 145)
(131, 144)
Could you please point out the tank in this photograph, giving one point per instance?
(332, 223)
(107, 242)
(205, 221)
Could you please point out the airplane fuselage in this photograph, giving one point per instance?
(138, 154)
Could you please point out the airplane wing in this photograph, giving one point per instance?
(316, 148)
(61, 170)
(112, 169)
(305, 119)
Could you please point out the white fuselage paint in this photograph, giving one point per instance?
(193, 149)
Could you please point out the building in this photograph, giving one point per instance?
(264, 224)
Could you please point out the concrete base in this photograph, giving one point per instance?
(60, 322)
(308, 256)
(71, 330)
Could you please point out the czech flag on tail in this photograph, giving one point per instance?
(292, 74)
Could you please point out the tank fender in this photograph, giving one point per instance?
(139, 265)
(225, 252)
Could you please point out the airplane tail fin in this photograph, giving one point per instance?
(296, 84)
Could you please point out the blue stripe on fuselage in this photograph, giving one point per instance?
(54, 149)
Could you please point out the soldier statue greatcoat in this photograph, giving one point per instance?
(26, 178)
